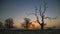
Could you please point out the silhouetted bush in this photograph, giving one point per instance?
(9, 23)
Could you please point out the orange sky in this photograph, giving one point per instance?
(37, 26)
(19, 25)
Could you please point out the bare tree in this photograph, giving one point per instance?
(42, 15)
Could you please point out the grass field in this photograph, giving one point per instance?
(46, 31)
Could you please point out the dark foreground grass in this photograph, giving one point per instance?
(46, 31)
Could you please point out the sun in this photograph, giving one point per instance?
(34, 25)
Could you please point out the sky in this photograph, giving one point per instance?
(19, 9)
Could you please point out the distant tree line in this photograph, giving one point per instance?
(8, 24)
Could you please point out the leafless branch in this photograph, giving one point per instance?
(36, 15)
(50, 18)
(40, 11)
(45, 7)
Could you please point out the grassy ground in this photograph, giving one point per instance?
(46, 31)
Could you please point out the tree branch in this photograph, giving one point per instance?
(45, 7)
(40, 11)
(50, 18)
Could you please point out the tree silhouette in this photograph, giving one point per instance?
(1, 24)
(9, 23)
(41, 14)
(27, 21)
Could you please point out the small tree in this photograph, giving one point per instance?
(1, 24)
(9, 23)
(27, 21)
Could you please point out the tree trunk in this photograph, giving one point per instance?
(42, 24)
